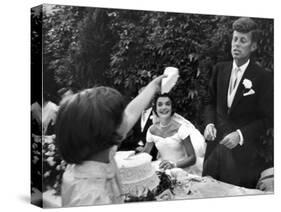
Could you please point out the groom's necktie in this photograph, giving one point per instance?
(234, 80)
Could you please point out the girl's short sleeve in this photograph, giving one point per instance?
(149, 136)
(184, 131)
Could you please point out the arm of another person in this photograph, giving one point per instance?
(210, 100)
(210, 109)
(265, 108)
(266, 181)
(264, 119)
(137, 105)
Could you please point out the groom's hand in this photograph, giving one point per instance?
(231, 140)
(210, 132)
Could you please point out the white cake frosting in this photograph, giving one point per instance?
(136, 172)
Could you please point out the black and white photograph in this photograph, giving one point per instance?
(131, 106)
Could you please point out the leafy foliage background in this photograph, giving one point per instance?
(125, 49)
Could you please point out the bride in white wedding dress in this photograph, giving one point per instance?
(178, 142)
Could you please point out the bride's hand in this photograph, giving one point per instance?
(165, 164)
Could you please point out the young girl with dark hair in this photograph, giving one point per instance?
(90, 126)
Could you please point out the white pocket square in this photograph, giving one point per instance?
(250, 92)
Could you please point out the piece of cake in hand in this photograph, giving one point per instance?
(136, 172)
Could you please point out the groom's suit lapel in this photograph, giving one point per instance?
(248, 74)
(225, 83)
(148, 122)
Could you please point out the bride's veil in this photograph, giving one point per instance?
(196, 137)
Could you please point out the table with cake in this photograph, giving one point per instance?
(142, 180)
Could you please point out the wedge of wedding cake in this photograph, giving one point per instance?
(136, 172)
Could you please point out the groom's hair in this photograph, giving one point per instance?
(154, 106)
(245, 25)
(87, 123)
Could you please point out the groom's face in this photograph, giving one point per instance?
(242, 46)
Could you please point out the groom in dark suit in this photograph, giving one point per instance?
(239, 110)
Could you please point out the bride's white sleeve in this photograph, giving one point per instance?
(197, 140)
(184, 131)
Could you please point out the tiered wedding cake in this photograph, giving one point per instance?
(136, 172)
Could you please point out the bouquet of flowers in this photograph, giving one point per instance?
(164, 191)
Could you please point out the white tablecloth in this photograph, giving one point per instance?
(208, 187)
(190, 186)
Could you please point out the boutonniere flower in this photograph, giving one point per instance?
(151, 117)
(247, 84)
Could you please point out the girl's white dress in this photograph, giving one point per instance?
(171, 148)
(91, 183)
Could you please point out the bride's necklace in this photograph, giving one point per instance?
(164, 125)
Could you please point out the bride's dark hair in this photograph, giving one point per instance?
(154, 106)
